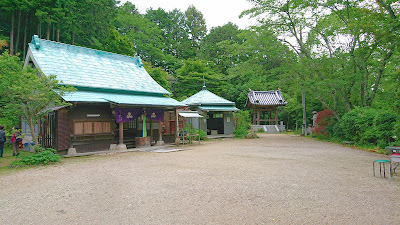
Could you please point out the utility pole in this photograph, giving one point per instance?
(304, 113)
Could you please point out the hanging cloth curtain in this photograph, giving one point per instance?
(144, 126)
(155, 114)
(127, 114)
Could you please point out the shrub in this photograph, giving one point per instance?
(41, 149)
(242, 124)
(385, 127)
(366, 126)
(203, 134)
(323, 120)
(40, 158)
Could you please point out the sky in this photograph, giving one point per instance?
(215, 12)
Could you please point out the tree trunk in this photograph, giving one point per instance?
(378, 78)
(58, 35)
(18, 32)
(33, 133)
(38, 27)
(303, 100)
(48, 31)
(25, 33)
(12, 34)
(73, 38)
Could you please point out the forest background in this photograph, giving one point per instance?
(343, 54)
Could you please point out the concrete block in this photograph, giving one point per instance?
(71, 152)
(121, 147)
(160, 143)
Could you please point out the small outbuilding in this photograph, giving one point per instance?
(217, 112)
(264, 105)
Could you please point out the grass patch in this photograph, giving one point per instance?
(7, 159)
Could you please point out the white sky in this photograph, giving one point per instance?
(215, 12)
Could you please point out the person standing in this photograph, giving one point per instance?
(15, 140)
(2, 139)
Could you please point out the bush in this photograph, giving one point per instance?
(323, 120)
(41, 158)
(203, 134)
(242, 124)
(366, 126)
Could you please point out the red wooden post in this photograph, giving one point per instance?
(254, 117)
(121, 133)
(177, 127)
(160, 131)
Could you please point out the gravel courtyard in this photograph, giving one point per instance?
(276, 179)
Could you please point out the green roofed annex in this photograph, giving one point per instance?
(217, 110)
(112, 90)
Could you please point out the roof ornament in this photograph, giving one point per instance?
(204, 84)
(139, 61)
(278, 96)
(36, 41)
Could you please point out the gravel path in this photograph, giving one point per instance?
(276, 179)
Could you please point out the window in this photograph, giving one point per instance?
(91, 127)
(219, 115)
(131, 124)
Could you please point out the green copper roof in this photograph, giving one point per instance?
(205, 97)
(84, 67)
(219, 108)
(128, 99)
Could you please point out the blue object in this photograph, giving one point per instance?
(27, 146)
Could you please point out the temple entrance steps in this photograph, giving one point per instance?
(272, 129)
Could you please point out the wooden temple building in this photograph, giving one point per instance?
(264, 105)
(117, 103)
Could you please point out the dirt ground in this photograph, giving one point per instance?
(276, 179)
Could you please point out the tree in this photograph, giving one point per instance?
(190, 79)
(146, 37)
(196, 25)
(175, 33)
(211, 48)
(342, 52)
(159, 75)
(28, 93)
(118, 43)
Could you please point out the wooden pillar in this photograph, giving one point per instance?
(160, 131)
(269, 117)
(151, 129)
(176, 127)
(258, 117)
(276, 116)
(121, 133)
(254, 117)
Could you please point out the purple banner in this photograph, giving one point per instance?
(155, 114)
(127, 114)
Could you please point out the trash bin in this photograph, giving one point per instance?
(27, 146)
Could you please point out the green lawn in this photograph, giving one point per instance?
(8, 159)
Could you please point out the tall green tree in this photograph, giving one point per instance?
(146, 37)
(196, 26)
(27, 93)
(212, 50)
(342, 56)
(190, 79)
(174, 29)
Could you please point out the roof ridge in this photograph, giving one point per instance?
(93, 49)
